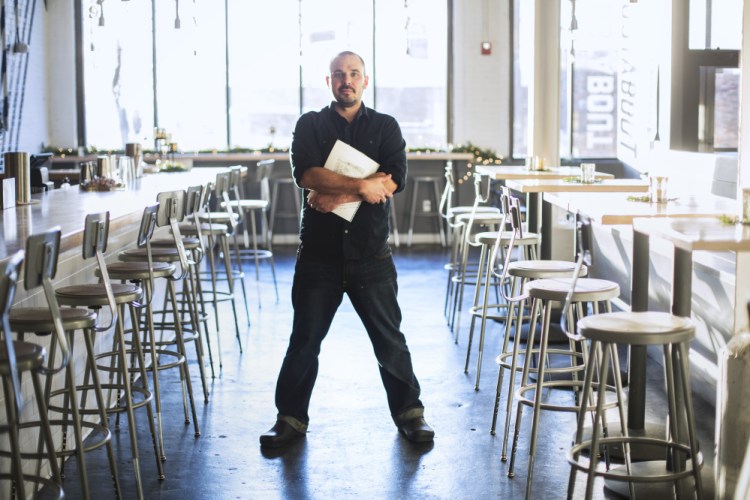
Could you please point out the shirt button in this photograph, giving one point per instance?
(346, 231)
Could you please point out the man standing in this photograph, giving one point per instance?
(337, 257)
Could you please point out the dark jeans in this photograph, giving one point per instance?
(317, 291)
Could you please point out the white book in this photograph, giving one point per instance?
(348, 161)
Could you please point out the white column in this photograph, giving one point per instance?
(544, 94)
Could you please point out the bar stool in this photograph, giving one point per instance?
(15, 358)
(650, 328)
(216, 234)
(227, 216)
(116, 296)
(455, 227)
(40, 267)
(520, 272)
(141, 266)
(288, 184)
(191, 295)
(249, 209)
(466, 270)
(577, 295)
(497, 246)
(434, 211)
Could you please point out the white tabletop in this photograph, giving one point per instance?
(559, 185)
(690, 234)
(615, 208)
(505, 172)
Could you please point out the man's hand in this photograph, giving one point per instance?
(328, 202)
(375, 188)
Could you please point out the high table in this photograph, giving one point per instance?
(550, 185)
(690, 224)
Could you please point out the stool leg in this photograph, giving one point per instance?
(477, 290)
(101, 406)
(436, 193)
(238, 273)
(16, 465)
(230, 280)
(46, 430)
(412, 212)
(151, 332)
(195, 322)
(185, 371)
(684, 363)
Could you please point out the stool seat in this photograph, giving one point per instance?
(159, 255)
(189, 242)
(206, 228)
(637, 328)
(95, 294)
(218, 216)
(29, 357)
(588, 290)
(540, 269)
(466, 209)
(39, 319)
(481, 217)
(489, 237)
(139, 270)
(248, 204)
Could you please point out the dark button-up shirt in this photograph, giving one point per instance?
(378, 136)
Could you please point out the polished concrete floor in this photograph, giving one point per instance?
(352, 449)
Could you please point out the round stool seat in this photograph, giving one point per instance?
(28, 357)
(39, 319)
(95, 294)
(489, 237)
(161, 254)
(481, 218)
(206, 228)
(454, 211)
(637, 328)
(189, 243)
(540, 269)
(138, 270)
(588, 290)
(250, 204)
(218, 217)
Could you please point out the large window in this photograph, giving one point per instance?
(237, 74)
(588, 77)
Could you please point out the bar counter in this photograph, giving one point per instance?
(68, 208)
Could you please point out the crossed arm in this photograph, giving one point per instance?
(329, 189)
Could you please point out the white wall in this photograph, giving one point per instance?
(482, 82)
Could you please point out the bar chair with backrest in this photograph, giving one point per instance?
(116, 296)
(39, 270)
(18, 357)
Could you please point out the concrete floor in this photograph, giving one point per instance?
(352, 450)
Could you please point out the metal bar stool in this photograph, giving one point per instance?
(519, 272)
(141, 265)
(216, 234)
(40, 267)
(191, 296)
(455, 227)
(496, 246)
(276, 213)
(249, 209)
(116, 296)
(15, 358)
(433, 212)
(467, 270)
(580, 296)
(225, 215)
(674, 334)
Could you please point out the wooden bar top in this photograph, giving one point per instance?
(68, 208)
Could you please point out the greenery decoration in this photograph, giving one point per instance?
(733, 219)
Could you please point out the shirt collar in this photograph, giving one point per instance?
(362, 110)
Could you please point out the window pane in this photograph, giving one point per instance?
(191, 74)
(715, 24)
(411, 67)
(117, 74)
(328, 27)
(594, 79)
(264, 83)
(727, 108)
(523, 65)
